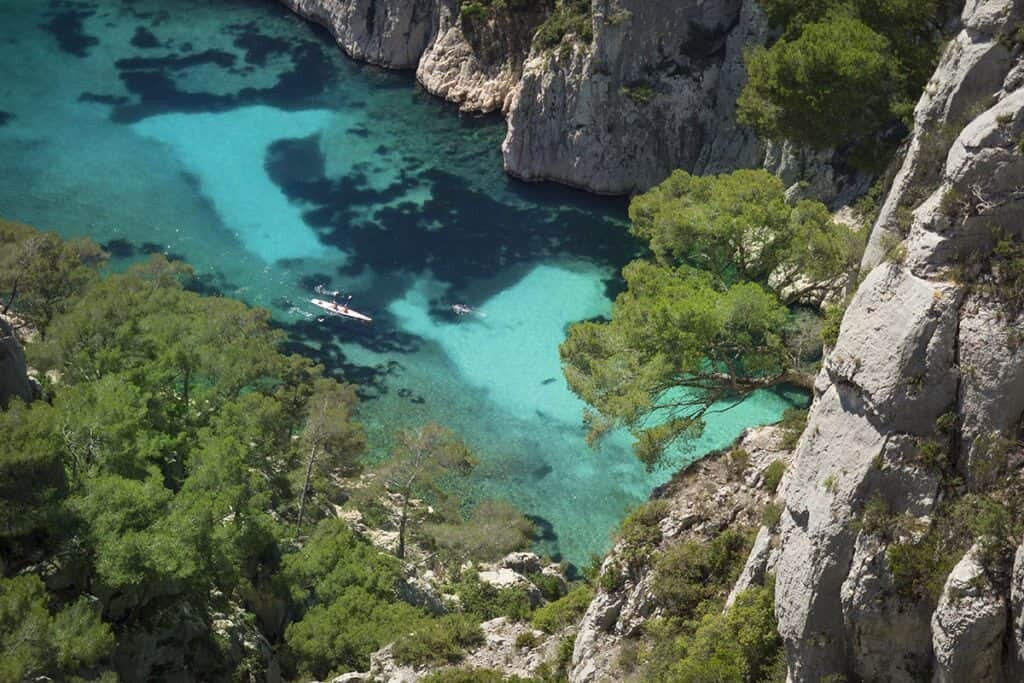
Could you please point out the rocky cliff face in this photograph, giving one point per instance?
(929, 344)
(655, 90)
(473, 63)
(14, 381)
(389, 33)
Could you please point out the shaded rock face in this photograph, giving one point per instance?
(972, 68)
(968, 626)
(14, 381)
(478, 63)
(653, 92)
(920, 340)
(390, 33)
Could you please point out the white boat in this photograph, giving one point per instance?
(338, 309)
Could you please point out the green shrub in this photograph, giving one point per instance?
(526, 639)
(690, 573)
(793, 423)
(485, 601)
(771, 514)
(833, 322)
(439, 641)
(570, 17)
(640, 532)
(993, 520)
(841, 73)
(741, 644)
(612, 578)
(569, 609)
(773, 476)
(736, 461)
(551, 587)
(640, 93)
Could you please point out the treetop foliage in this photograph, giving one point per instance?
(164, 479)
(702, 324)
(842, 72)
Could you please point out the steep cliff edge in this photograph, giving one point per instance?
(654, 91)
(920, 403)
(473, 62)
(14, 381)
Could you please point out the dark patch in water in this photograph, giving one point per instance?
(541, 472)
(5, 117)
(258, 47)
(175, 63)
(545, 530)
(154, 248)
(153, 82)
(460, 235)
(549, 380)
(66, 25)
(144, 39)
(412, 397)
(113, 100)
(119, 248)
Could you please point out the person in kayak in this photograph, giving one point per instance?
(342, 307)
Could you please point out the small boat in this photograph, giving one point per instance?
(338, 309)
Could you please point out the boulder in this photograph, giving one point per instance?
(968, 625)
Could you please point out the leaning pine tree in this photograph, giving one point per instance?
(701, 324)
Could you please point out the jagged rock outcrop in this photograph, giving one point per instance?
(703, 499)
(968, 626)
(14, 380)
(927, 344)
(972, 68)
(390, 33)
(477, 63)
(653, 92)
(473, 63)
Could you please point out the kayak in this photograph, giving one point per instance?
(340, 310)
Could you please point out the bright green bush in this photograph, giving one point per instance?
(690, 573)
(773, 475)
(793, 423)
(569, 17)
(640, 532)
(741, 644)
(567, 610)
(485, 601)
(439, 641)
(37, 643)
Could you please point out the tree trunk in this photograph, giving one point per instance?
(401, 526)
(305, 490)
(14, 293)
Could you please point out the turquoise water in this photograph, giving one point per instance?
(239, 138)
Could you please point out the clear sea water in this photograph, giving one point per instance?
(237, 137)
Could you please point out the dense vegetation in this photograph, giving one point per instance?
(169, 504)
(715, 313)
(844, 73)
(695, 639)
